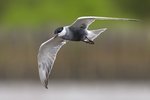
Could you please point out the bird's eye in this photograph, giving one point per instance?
(58, 30)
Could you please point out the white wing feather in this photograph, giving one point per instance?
(87, 20)
(46, 57)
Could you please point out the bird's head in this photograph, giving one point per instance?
(60, 31)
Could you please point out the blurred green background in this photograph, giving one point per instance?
(122, 52)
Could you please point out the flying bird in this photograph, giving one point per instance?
(77, 31)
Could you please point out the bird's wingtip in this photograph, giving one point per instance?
(137, 20)
(46, 86)
(45, 83)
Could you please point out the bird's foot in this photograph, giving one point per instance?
(88, 41)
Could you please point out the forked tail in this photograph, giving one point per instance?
(92, 34)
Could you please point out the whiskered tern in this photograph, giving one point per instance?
(78, 31)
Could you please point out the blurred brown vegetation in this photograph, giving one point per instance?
(117, 54)
(122, 52)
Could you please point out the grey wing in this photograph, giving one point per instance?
(46, 57)
(87, 20)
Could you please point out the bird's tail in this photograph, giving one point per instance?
(92, 34)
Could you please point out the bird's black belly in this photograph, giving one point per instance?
(77, 34)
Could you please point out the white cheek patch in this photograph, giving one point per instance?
(62, 33)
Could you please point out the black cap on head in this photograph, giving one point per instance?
(58, 30)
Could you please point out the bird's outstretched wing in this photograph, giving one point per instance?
(46, 57)
(87, 20)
